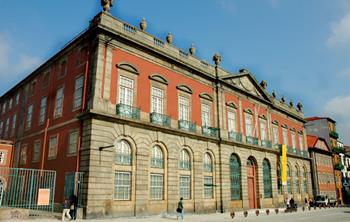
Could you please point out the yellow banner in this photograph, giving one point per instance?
(284, 164)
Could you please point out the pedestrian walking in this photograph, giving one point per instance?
(66, 209)
(180, 210)
(73, 206)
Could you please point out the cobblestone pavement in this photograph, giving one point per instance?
(318, 215)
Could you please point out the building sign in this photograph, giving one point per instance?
(44, 197)
(284, 164)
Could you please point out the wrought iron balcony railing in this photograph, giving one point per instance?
(187, 125)
(127, 111)
(334, 134)
(339, 166)
(210, 131)
(266, 143)
(160, 119)
(338, 150)
(252, 140)
(235, 136)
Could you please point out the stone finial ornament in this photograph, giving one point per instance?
(243, 71)
(143, 24)
(263, 84)
(192, 50)
(291, 104)
(274, 94)
(106, 4)
(283, 100)
(170, 38)
(217, 59)
(300, 106)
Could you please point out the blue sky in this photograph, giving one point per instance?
(301, 48)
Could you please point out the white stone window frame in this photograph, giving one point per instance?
(206, 114)
(293, 138)
(78, 92)
(128, 71)
(184, 106)
(59, 102)
(275, 134)
(7, 127)
(157, 187)
(123, 153)
(301, 141)
(207, 173)
(232, 112)
(3, 154)
(249, 128)
(185, 187)
(124, 186)
(126, 88)
(263, 131)
(208, 190)
(157, 154)
(285, 135)
(158, 100)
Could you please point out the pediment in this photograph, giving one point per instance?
(322, 145)
(248, 84)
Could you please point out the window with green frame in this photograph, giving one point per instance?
(305, 180)
(267, 179)
(235, 176)
(289, 186)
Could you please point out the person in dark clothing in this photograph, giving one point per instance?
(180, 209)
(73, 199)
(291, 202)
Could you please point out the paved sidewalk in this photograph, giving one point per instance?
(318, 215)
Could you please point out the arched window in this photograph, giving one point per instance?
(305, 180)
(279, 178)
(185, 162)
(123, 153)
(289, 186)
(267, 179)
(296, 180)
(235, 176)
(208, 176)
(157, 157)
(208, 163)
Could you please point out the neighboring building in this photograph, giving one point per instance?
(6, 149)
(323, 127)
(143, 121)
(345, 159)
(322, 167)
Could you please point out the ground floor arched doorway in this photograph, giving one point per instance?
(252, 183)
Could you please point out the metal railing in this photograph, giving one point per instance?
(160, 119)
(252, 140)
(210, 131)
(187, 125)
(127, 111)
(266, 143)
(29, 189)
(235, 136)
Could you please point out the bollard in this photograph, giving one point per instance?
(257, 212)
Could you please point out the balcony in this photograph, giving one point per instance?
(266, 143)
(334, 134)
(210, 131)
(160, 119)
(338, 150)
(291, 150)
(127, 111)
(252, 140)
(235, 136)
(187, 125)
(338, 166)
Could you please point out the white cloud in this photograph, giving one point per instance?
(340, 34)
(13, 61)
(338, 108)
